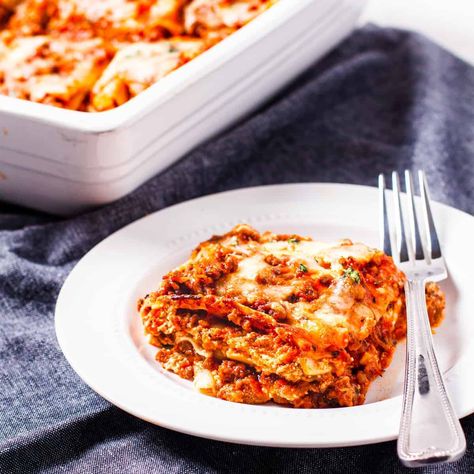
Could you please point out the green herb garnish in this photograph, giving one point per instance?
(316, 260)
(303, 268)
(293, 241)
(352, 274)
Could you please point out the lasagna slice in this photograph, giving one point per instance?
(138, 66)
(219, 18)
(253, 318)
(50, 70)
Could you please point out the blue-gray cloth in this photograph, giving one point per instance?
(383, 100)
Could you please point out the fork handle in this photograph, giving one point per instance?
(430, 431)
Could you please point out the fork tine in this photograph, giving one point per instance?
(402, 241)
(385, 241)
(431, 234)
(417, 243)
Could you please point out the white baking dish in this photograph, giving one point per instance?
(65, 161)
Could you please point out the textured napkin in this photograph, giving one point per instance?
(383, 100)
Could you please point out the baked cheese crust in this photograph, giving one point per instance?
(53, 71)
(219, 18)
(138, 66)
(143, 40)
(254, 317)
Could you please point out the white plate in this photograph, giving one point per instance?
(101, 335)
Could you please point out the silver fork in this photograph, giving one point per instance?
(430, 431)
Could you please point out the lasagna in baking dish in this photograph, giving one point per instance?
(94, 55)
(255, 317)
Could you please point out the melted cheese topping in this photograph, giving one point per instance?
(338, 309)
(49, 70)
(309, 253)
(109, 10)
(136, 67)
(118, 18)
(215, 15)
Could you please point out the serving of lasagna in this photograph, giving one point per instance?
(256, 317)
(94, 55)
